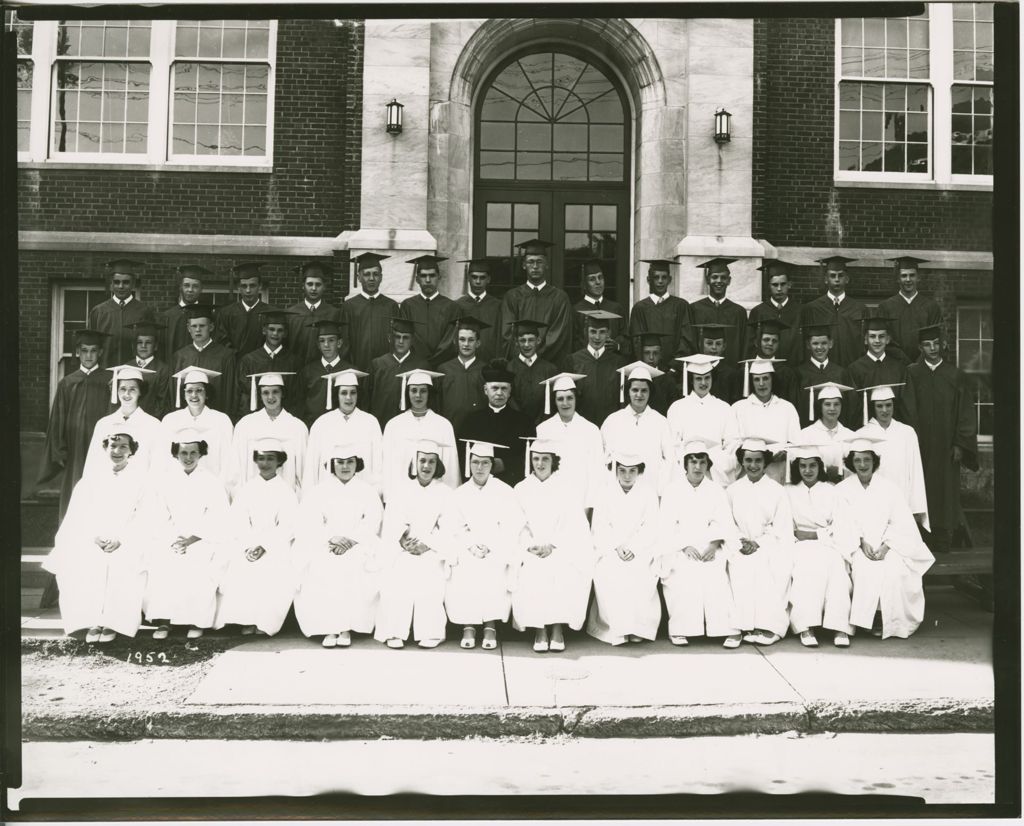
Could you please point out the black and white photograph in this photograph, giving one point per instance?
(517, 409)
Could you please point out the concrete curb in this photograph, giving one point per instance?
(414, 722)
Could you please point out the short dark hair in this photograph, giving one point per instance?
(794, 470)
(740, 451)
(133, 446)
(204, 448)
(143, 387)
(360, 464)
(641, 466)
(818, 405)
(556, 462)
(876, 460)
(704, 453)
(438, 473)
(210, 395)
(282, 457)
(430, 395)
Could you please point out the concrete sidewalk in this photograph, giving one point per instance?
(288, 687)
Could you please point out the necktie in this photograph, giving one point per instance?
(139, 362)
(821, 367)
(597, 303)
(271, 356)
(479, 299)
(836, 302)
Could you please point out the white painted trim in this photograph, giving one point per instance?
(874, 258)
(169, 166)
(958, 184)
(131, 242)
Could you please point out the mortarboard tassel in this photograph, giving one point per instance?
(469, 445)
(177, 391)
(684, 380)
(405, 385)
(330, 382)
(113, 387)
(746, 379)
(810, 404)
(866, 419)
(252, 393)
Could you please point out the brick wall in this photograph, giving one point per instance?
(313, 189)
(795, 201)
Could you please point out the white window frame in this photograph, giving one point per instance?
(59, 289)
(985, 439)
(158, 150)
(940, 80)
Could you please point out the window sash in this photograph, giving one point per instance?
(975, 335)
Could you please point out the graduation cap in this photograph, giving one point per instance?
(715, 329)
(192, 311)
(763, 445)
(187, 436)
(349, 377)
(866, 439)
(598, 318)
(714, 265)
(124, 372)
(497, 370)
(267, 444)
(90, 337)
(905, 262)
(418, 376)
(346, 450)
(699, 364)
(826, 390)
(247, 269)
(650, 338)
(535, 444)
(468, 322)
(623, 458)
(697, 444)
(191, 375)
(528, 325)
(122, 427)
(757, 366)
(929, 333)
(658, 264)
(328, 326)
(125, 266)
(270, 378)
(318, 264)
(193, 271)
(877, 393)
(591, 266)
(144, 328)
(428, 447)
(275, 315)
(534, 247)
(805, 451)
(875, 320)
(561, 381)
(636, 370)
(817, 328)
(767, 325)
(480, 449)
(773, 266)
(484, 265)
(403, 325)
(425, 262)
(835, 262)
(368, 260)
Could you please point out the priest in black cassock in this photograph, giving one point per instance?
(818, 368)
(594, 298)
(211, 355)
(661, 311)
(878, 365)
(172, 320)
(909, 310)
(540, 300)
(717, 308)
(238, 324)
(312, 307)
(597, 398)
(940, 403)
(157, 401)
(113, 316)
(835, 307)
(383, 387)
(529, 371)
(314, 387)
(461, 384)
(479, 303)
(432, 312)
(726, 378)
(274, 355)
(369, 313)
(498, 422)
(780, 307)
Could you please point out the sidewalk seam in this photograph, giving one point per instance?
(808, 713)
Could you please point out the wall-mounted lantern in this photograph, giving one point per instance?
(394, 117)
(722, 126)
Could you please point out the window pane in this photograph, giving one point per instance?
(232, 109)
(917, 128)
(527, 216)
(896, 33)
(917, 157)
(605, 167)
(569, 166)
(115, 42)
(970, 356)
(255, 140)
(895, 98)
(852, 31)
(918, 34)
(871, 157)
(112, 137)
(231, 140)
(894, 158)
(963, 65)
(498, 243)
(136, 136)
(962, 128)
(849, 96)
(256, 79)
(183, 139)
(604, 217)
(982, 160)
(257, 42)
(533, 166)
(962, 97)
(960, 161)
(896, 63)
(849, 156)
(570, 138)
(234, 43)
(874, 31)
(209, 41)
(498, 106)
(91, 41)
(963, 36)
(207, 140)
(533, 136)
(605, 109)
(984, 68)
(918, 66)
(853, 62)
(186, 41)
(255, 109)
(871, 95)
(232, 77)
(500, 165)
(874, 62)
(577, 216)
(499, 216)
(871, 126)
(606, 138)
(577, 242)
(917, 98)
(207, 108)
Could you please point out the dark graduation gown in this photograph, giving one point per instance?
(527, 390)
(369, 327)
(488, 311)
(866, 372)
(431, 332)
(461, 390)
(384, 388)
(671, 316)
(923, 311)
(313, 388)
(239, 328)
(940, 406)
(808, 374)
(503, 427)
(598, 394)
(175, 332)
(81, 401)
(848, 340)
(729, 312)
(158, 402)
(666, 390)
(791, 342)
(550, 306)
(726, 382)
(785, 383)
(616, 327)
(113, 319)
(259, 361)
(223, 388)
(301, 337)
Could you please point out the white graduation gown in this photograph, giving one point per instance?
(647, 436)
(338, 592)
(879, 514)
(217, 431)
(98, 588)
(555, 589)
(335, 428)
(698, 595)
(259, 592)
(477, 590)
(399, 448)
(776, 421)
(820, 591)
(412, 586)
(711, 419)
(182, 588)
(831, 443)
(145, 430)
(293, 435)
(760, 580)
(625, 593)
(900, 456)
(581, 460)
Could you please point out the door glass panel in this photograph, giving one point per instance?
(577, 216)
(498, 244)
(527, 216)
(499, 215)
(599, 240)
(605, 217)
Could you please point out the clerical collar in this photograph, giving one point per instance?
(537, 287)
(591, 300)
(780, 304)
(426, 297)
(908, 300)
(467, 364)
(312, 307)
(528, 361)
(200, 349)
(595, 353)
(144, 362)
(875, 358)
(933, 366)
(124, 303)
(329, 364)
(497, 409)
(90, 371)
(272, 352)
(403, 358)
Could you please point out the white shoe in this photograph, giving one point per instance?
(396, 643)
(842, 640)
(330, 641)
(107, 635)
(344, 639)
(770, 639)
(468, 637)
(808, 640)
(490, 639)
(751, 637)
(432, 643)
(93, 635)
(194, 633)
(678, 640)
(732, 642)
(162, 632)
